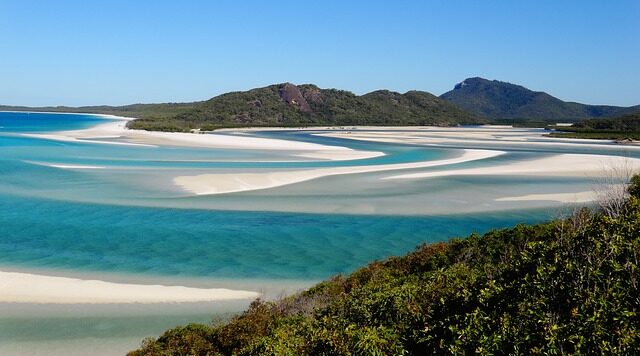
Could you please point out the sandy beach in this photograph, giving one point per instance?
(579, 197)
(220, 183)
(568, 165)
(493, 135)
(31, 288)
(116, 133)
(561, 165)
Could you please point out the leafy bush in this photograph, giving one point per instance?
(565, 287)
(634, 186)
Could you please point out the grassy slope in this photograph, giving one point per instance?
(568, 286)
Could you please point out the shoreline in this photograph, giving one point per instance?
(67, 113)
(466, 139)
(28, 288)
(353, 128)
(496, 136)
(20, 287)
(125, 136)
(267, 287)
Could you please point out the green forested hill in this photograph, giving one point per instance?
(498, 100)
(291, 105)
(565, 287)
(286, 105)
(473, 101)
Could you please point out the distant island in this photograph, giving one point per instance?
(472, 101)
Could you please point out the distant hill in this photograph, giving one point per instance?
(473, 101)
(505, 101)
(287, 104)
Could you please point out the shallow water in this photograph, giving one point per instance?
(130, 221)
(185, 242)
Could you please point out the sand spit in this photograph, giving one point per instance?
(561, 165)
(220, 183)
(475, 136)
(31, 288)
(116, 133)
(579, 197)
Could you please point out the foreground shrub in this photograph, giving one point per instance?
(564, 287)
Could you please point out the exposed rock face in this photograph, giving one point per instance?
(243, 118)
(291, 95)
(460, 85)
(313, 95)
(255, 103)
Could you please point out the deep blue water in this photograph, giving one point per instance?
(43, 122)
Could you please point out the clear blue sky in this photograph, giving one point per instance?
(119, 52)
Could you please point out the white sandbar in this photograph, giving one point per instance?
(561, 165)
(579, 197)
(31, 288)
(493, 136)
(108, 132)
(65, 166)
(220, 183)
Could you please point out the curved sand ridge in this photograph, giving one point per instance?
(493, 136)
(569, 165)
(561, 165)
(579, 197)
(65, 166)
(31, 288)
(116, 133)
(221, 183)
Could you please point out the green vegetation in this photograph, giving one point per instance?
(513, 103)
(623, 128)
(474, 101)
(565, 287)
(286, 105)
(307, 105)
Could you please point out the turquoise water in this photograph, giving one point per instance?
(223, 244)
(129, 222)
(45, 122)
(65, 220)
(131, 219)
